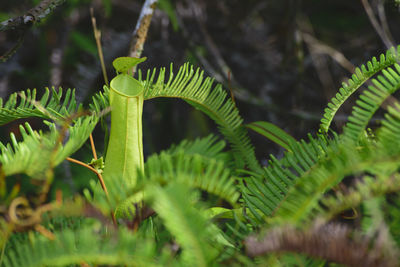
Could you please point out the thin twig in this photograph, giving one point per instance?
(230, 88)
(378, 28)
(97, 36)
(93, 170)
(93, 147)
(319, 61)
(322, 48)
(212, 47)
(382, 17)
(46, 233)
(142, 26)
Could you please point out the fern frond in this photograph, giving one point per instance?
(30, 156)
(392, 216)
(38, 152)
(121, 248)
(389, 133)
(191, 86)
(195, 171)
(191, 230)
(100, 101)
(365, 189)
(344, 159)
(264, 193)
(361, 75)
(209, 147)
(303, 197)
(370, 100)
(25, 104)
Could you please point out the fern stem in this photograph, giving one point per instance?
(93, 170)
(93, 147)
(46, 233)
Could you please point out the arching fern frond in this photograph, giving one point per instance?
(30, 156)
(120, 248)
(365, 189)
(191, 86)
(345, 159)
(49, 106)
(194, 170)
(208, 146)
(40, 151)
(264, 193)
(361, 75)
(370, 100)
(303, 197)
(100, 100)
(389, 133)
(192, 231)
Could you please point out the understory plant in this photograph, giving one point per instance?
(330, 199)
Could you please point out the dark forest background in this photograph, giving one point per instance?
(283, 59)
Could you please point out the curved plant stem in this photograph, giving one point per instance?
(93, 147)
(93, 170)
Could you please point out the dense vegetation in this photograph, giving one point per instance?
(331, 198)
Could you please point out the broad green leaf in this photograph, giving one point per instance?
(272, 132)
(124, 64)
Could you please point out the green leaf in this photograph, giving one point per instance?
(124, 64)
(273, 133)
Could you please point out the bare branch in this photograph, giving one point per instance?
(380, 29)
(142, 26)
(22, 23)
(32, 16)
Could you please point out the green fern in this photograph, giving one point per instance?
(190, 86)
(370, 100)
(389, 133)
(100, 101)
(193, 170)
(192, 231)
(209, 147)
(264, 193)
(361, 75)
(25, 104)
(39, 152)
(365, 189)
(120, 248)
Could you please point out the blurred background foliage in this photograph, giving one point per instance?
(283, 60)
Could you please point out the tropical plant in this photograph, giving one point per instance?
(207, 201)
